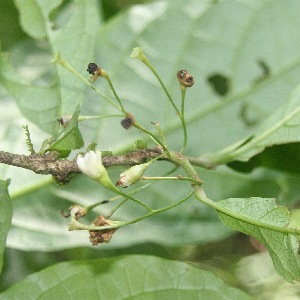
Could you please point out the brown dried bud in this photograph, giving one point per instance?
(101, 236)
(128, 121)
(94, 70)
(185, 79)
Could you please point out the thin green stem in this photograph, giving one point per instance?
(150, 66)
(133, 199)
(160, 132)
(157, 211)
(119, 224)
(140, 127)
(172, 178)
(112, 199)
(59, 60)
(145, 60)
(116, 208)
(84, 118)
(182, 117)
(114, 92)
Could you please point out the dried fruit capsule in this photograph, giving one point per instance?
(128, 121)
(185, 79)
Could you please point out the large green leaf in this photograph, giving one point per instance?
(5, 217)
(267, 222)
(199, 42)
(44, 102)
(124, 277)
(34, 16)
(283, 126)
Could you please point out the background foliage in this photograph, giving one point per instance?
(244, 56)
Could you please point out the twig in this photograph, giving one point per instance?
(62, 169)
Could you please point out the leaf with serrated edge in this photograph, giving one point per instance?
(266, 222)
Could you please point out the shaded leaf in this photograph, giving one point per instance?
(5, 217)
(44, 104)
(282, 127)
(124, 277)
(267, 222)
(34, 16)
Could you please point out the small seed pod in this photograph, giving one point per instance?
(94, 70)
(128, 121)
(185, 79)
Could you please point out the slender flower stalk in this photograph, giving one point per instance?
(185, 80)
(91, 165)
(75, 225)
(100, 72)
(182, 117)
(138, 53)
(194, 181)
(106, 76)
(58, 59)
(151, 135)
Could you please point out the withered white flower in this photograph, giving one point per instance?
(90, 164)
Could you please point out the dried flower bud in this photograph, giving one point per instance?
(101, 236)
(75, 211)
(128, 121)
(185, 79)
(94, 70)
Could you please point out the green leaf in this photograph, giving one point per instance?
(69, 138)
(268, 223)
(43, 102)
(283, 126)
(5, 217)
(124, 277)
(34, 16)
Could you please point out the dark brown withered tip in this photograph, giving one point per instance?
(128, 121)
(185, 79)
(92, 68)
